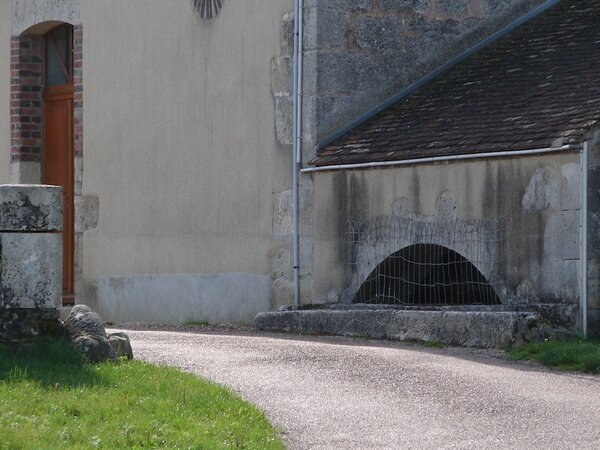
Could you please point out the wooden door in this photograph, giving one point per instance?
(58, 141)
(58, 170)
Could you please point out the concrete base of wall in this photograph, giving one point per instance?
(179, 298)
(462, 328)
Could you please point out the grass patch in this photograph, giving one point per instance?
(51, 398)
(431, 344)
(574, 354)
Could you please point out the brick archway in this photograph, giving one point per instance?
(26, 102)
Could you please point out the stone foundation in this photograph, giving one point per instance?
(21, 325)
(483, 329)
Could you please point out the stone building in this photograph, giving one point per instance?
(173, 136)
(479, 186)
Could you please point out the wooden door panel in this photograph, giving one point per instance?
(58, 170)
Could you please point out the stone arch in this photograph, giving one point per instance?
(26, 108)
(31, 14)
(426, 274)
(480, 241)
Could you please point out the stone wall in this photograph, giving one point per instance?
(360, 52)
(30, 260)
(356, 54)
(537, 197)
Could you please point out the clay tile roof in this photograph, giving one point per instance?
(537, 87)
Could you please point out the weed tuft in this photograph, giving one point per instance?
(577, 354)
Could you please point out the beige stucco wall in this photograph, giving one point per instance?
(179, 140)
(5, 19)
(539, 196)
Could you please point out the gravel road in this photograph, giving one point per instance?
(336, 393)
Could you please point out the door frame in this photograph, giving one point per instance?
(60, 93)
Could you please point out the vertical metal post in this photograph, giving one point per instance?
(297, 141)
(583, 304)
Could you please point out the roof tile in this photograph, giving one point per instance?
(535, 87)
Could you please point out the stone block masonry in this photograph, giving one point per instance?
(483, 329)
(360, 52)
(30, 261)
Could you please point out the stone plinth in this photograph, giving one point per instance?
(30, 207)
(30, 260)
(484, 329)
(31, 272)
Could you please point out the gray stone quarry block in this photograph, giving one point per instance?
(287, 34)
(348, 4)
(85, 332)
(82, 320)
(121, 345)
(331, 28)
(31, 270)
(30, 208)
(283, 119)
(87, 212)
(452, 7)
(353, 72)
(281, 76)
(462, 328)
(380, 32)
(409, 5)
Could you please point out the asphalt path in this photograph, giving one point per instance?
(337, 393)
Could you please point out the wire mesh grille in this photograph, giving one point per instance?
(410, 262)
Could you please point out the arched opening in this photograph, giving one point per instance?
(426, 275)
(46, 117)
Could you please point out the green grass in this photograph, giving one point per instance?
(51, 399)
(574, 354)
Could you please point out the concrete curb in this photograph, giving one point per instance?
(499, 330)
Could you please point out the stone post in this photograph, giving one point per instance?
(30, 261)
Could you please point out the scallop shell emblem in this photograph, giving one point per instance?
(208, 8)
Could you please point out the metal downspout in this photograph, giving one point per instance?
(297, 141)
(583, 212)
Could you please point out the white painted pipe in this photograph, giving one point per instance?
(583, 211)
(297, 140)
(434, 159)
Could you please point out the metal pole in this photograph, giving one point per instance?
(297, 141)
(583, 211)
